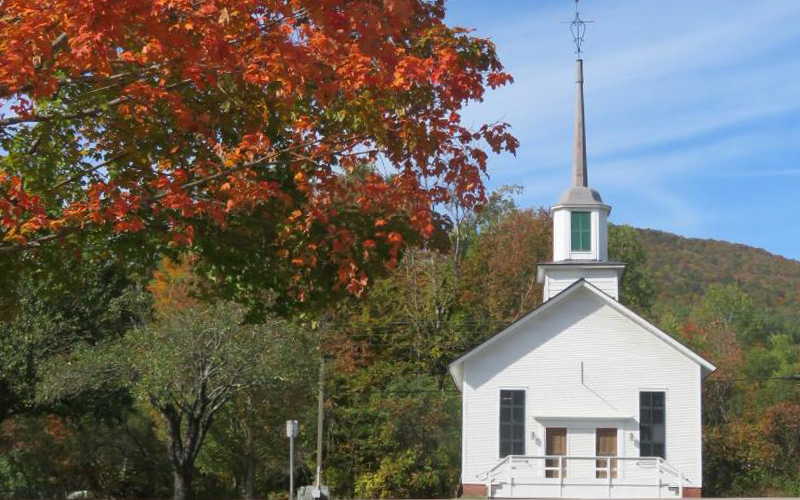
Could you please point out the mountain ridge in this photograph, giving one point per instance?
(683, 267)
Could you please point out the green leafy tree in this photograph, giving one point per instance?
(246, 446)
(84, 302)
(186, 366)
(49, 456)
(737, 460)
(637, 289)
(772, 369)
(393, 434)
(727, 307)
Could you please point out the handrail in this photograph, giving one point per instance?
(485, 475)
(577, 457)
(515, 470)
(673, 470)
(659, 462)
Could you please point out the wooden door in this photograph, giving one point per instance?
(606, 446)
(555, 445)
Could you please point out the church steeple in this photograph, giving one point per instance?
(580, 218)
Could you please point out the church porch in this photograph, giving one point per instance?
(565, 476)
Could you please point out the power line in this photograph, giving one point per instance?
(788, 378)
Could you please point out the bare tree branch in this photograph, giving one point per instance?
(83, 173)
(263, 161)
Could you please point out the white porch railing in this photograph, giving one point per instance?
(584, 476)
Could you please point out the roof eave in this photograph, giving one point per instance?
(620, 267)
(513, 326)
(706, 367)
(686, 351)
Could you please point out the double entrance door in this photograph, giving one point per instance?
(556, 446)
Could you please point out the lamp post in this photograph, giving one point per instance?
(291, 433)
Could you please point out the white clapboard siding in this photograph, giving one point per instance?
(543, 356)
(558, 280)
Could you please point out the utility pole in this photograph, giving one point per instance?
(291, 433)
(318, 491)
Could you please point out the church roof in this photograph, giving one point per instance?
(580, 195)
(456, 368)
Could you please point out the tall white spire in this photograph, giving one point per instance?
(579, 174)
(580, 218)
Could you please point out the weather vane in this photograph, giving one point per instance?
(578, 28)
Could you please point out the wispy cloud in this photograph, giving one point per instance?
(684, 99)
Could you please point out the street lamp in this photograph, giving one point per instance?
(291, 433)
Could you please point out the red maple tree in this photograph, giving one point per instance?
(167, 116)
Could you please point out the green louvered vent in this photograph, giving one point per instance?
(581, 232)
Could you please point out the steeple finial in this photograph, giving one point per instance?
(578, 29)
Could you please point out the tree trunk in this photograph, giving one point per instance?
(249, 472)
(181, 451)
(183, 483)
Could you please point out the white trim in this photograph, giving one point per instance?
(698, 432)
(581, 284)
(464, 437)
(600, 206)
(608, 418)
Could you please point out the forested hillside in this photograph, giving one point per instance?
(684, 267)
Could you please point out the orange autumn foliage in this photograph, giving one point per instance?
(174, 287)
(190, 112)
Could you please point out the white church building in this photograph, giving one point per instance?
(581, 397)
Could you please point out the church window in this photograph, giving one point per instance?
(512, 423)
(652, 435)
(581, 231)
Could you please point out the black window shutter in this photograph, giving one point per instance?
(652, 430)
(512, 422)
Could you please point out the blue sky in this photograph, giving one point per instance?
(692, 110)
